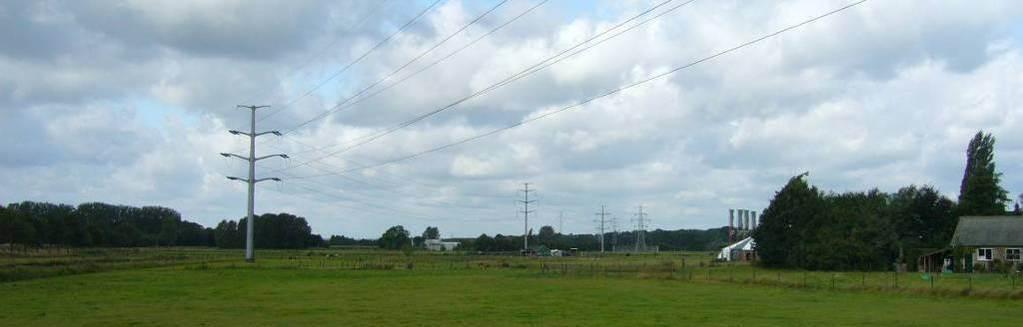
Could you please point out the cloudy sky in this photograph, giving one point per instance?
(129, 102)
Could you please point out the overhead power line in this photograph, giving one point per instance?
(608, 93)
(341, 106)
(355, 61)
(399, 69)
(523, 73)
(323, 50)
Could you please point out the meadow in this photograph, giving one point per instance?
(181, 286)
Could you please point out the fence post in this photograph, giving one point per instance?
(832, 281)
(971, 282)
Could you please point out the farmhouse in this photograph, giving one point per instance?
(438, 245)
(981, 241)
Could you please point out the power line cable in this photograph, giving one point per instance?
(323, 50)
(528, 71)
(357, 60)
(434, 63)
(608, 93)
(399, 69)
(342, 106)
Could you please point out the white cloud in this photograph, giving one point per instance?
(886, 95)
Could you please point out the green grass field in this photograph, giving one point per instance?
(371, 288)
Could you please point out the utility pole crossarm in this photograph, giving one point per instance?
(271, 156)
(228, 155)
(269, 132)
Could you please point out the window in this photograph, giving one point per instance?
(1012, 254)
(984, 254)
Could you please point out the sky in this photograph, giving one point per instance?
(129, 102)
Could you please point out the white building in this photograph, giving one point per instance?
(744, 250)
(438, 245)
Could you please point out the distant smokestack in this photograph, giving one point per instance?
(731, 218)
(742, 219)
(738, 219)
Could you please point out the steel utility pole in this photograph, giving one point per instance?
(602, 214)
(525, 212)
(640, 230)
(250, 255)
(614, 233)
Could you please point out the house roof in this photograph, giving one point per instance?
(989, 231)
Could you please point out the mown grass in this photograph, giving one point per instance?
(688, 266)
(277, 292)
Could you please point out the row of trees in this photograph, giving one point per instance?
(97, 224)
(34, 224)
(397, 237)
(668, 240)
(804, 227)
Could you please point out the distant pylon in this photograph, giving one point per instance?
(640, 230)
(601, 225)
(525, 211)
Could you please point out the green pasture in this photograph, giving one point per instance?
(194, 287)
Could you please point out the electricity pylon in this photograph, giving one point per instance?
(250, 255)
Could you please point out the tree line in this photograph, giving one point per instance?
(95, 224)
(397, 237)
(805, 227)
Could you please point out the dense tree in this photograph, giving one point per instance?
(785, 223)
(341, 240)
(272, 231)
(227, 236)
(394, 238)
(546, 236)
(193, 234)
(853, 233)
(484, 243)
(17, 229)
(805, 228)
(101, 224)
(922, 217)
(431, 233)
(979, 191)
